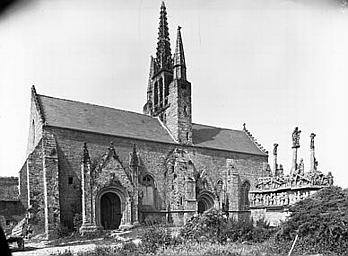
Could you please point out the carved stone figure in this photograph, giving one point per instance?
(296, 138)
(275, 149)
(312, 140)
(301, 167)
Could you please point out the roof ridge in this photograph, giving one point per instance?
(38, 104)
(252, 138)
(224, 128)
(91, 104)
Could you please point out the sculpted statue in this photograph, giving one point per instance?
(296, 138)
(315, 164)
(330, 179)
(301, 167)
(275, 148)
(312, 140)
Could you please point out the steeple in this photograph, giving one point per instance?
(163, 54)
(151, 74)
(179, 58)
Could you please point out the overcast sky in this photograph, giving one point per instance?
(273, 64)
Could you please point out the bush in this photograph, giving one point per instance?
(213, 226)
(321, 222)
(239, 230)
(207, 226)
(155, 237)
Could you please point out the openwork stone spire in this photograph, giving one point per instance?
(163, 54)
(179, 58)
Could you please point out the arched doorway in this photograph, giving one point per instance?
(205, 201)
(110, 210)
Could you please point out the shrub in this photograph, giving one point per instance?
(213, 226)
(321, 222)
(239, 230)
(207, 226)
(155, 237)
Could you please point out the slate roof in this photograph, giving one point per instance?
(93, 118)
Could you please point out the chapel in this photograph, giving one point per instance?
(113, 168)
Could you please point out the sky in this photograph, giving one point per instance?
(272, 64)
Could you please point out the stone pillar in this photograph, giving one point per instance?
(51, 185)
(295, 146)
(294, 160)
(88, 207)
(312, 156)
(134, 166)
(275, 154)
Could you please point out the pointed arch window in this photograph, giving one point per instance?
(161, 91)
(245, 195)
(156, 95)
(148, 190)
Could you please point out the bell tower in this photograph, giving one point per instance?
(161, 71)
(169, 92)
(179, 114)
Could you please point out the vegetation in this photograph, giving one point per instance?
(214, 226)
(321, 222)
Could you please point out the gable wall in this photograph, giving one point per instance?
(153, 158)
(35, 127)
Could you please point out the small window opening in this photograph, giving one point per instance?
(187, 136)
(70, 180)
(180, 200)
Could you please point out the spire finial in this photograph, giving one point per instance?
(179, 58)
(163, 54)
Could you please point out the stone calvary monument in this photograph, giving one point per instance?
(276, 191)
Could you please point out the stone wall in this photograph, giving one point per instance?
(35, 124)
(153, 157)
(274, 216)
(51, 184)
(8, 188)
(23, 185)
(36, 187)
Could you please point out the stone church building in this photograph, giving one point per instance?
(118, 168)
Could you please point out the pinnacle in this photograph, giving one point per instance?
(179, 57)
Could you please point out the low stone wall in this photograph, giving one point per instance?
(274, 216)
